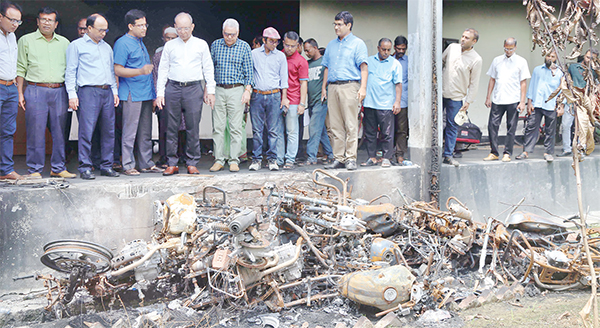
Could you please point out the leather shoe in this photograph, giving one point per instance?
(335, 165)
(88, 175)
(192, 170)
(351, 165)
(109, 173)
(171, 170)
(234, 167)
(11, 176)
(64, 174)
(216, 167)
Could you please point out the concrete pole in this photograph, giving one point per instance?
(425, 91)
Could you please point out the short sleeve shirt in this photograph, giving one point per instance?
(381, 84)
(508, 73)
(130, 52)
(297, 71)
(315, 81)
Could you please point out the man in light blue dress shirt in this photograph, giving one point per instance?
(401, 127)
(92, 90)
(345, 87)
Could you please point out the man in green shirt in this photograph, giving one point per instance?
(41, 64)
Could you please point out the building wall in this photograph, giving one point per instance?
(495, 21)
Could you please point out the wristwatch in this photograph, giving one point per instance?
(303, 105)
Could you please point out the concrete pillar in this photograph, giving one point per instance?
(425, 92)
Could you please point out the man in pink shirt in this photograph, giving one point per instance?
(296, 95)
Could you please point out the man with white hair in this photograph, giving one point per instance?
(184, 63)
(233, 74)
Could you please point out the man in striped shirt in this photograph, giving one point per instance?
(233, 74)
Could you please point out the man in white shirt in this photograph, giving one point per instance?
(184, 63)
(10, 19)
(506, 93)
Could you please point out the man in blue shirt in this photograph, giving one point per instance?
(136, 91)
(401, 128)
(269, 98)
(92, 90)
(384, 91)
(544, 80)
(233, 73)
(345, 77)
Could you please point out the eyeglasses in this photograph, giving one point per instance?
(276, 42)
(46, 20)
(290, 46)
(338, 24)
(82, 28)
(229, 35)
(185, 29)
(101, 30)
(509, 49)
(14, 21)
(142, 25)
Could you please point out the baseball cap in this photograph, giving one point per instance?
(272, 33)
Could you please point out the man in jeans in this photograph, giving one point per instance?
(461, 68)
(296, 95)
(317, 109)
(269, 97)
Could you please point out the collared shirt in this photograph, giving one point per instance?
(576, 71)
(344, 57)
(89, 63)
(270, 71)
(8, 56)
(508, 73)
(543, 82)
(404, 63)
(130, 52)
(186, 62)
(460, 73)
(40, 60)
(315, 81)
(381, 84)
(233, 64)
(297, 71)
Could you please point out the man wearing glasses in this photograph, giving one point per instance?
(269, 97)
(506, 93)
(345, 78)
(42, 63)
(136, 92)
(81, 27)
(10, 19)
(92, 90)
(233, 74)
(184, 63)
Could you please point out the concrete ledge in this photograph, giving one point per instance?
(112, 211)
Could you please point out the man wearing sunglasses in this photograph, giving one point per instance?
(92, 90)
(10, 19)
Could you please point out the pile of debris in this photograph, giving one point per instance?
(317, 245)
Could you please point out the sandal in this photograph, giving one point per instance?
(370, 162)
(523, 155)
(288, 166)
(131, 172)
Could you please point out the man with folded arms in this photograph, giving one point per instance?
(233, 74)
(92, 89)
(136, 92)
(184, 63)
(10, 19)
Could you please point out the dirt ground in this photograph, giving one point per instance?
(549, 309)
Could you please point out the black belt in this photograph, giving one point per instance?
(103, 86)
(185, 84)
(344, 82)
(229, 86)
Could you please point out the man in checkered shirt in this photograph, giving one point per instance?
(233, 74)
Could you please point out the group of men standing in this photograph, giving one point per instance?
(508, 94)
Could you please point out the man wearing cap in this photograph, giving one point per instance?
(268, 99)
(233, 74)
(345, 86)
(92, 89)
(184, 63)
(136, 92)
(42, 62)
(10, 19)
